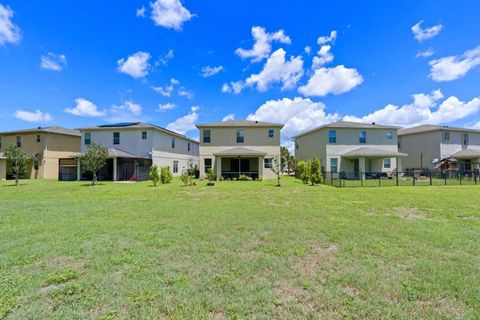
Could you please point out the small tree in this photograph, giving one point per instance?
(18, 160)
(277, 168)
(285, 157)
(165, 175)
(303, 171)
(94, 159)
(154, 175)
(315, 173)
(185, 177)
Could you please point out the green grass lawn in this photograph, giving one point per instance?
(238, 250)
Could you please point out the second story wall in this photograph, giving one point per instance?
(165, 142)
(130, 140)
(253, 136)
(31, 143)
(455, 142)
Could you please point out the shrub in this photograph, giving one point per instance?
(154, 175)
(210, 175)
(303, 171)
(315, 171)
(243, 177)
(185, 177)
(166, 175)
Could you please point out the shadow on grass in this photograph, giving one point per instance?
(14, 185)
(90, 184)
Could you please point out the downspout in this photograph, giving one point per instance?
(45, 152)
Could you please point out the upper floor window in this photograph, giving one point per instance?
(19, 142)
(296, 144)
(271, 133)
(332, 136)
(389, 135)
(240, 136)
(38, 138)
(87, 138)
(116, 138)
(173, 143)
(0, 142)
(465, 139)
(188, 147)
(446, 136)
(206, 136)
(362, 137)
(144, 135)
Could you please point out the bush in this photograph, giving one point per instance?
(166, 175)
(303, 171)
(243, 177)
(210, 175)
(154, 175)
(315, 171)
(185, 177)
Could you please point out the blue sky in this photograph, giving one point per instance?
(175, 63)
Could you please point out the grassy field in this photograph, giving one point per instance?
(238, 250)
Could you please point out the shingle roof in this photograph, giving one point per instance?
(53, 129)
(466, 154)
(431, 127)
(239, 123)
(241, 151)
(349, 124)
(117, 153)
(373, 152)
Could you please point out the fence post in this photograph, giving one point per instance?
(397, 177)
(430, 178)
(361, 178)
(445, 176)
(413, 178)
(331, 178)
(380, 180)
(460, 175)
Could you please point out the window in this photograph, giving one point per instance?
(271, 133)
(38, 138)
(362, 137)
(389, 135)
(0, 142)
(296, 144)
(88, 138)
(19, 142)
(206, 136)
(173, 143)
(175, 166)
(465, 139)
(144, 135)
(208, 163)
(35, 165)
(240, 136)
(446, 136)
(332, 136)
(387, 163)
(333, 165)
(188, 147)
(268, 163)
(116, 138)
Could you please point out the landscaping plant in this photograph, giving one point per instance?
(94, 159)
(18, 160)
(154, 175)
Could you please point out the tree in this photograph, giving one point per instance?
(165, 175)
(154, 175)
(303, 171)
(277, 168)
(94, 159)
(315, 171)
(18, 160)
(285, 157)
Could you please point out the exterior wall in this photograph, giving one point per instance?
(130, 140)
(455, 143)
(29, 142)
(311, 144)
(3, 169)
(421, 148)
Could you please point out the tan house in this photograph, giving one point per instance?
(52, 151)
(233, 148)
(351, 149)
(440, 147)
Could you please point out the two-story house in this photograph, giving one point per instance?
(134, 146)
(233, 148)
(351, 148)
(51, 150)
(440, 147)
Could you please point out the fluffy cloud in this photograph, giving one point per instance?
(209, 71)
(85, 108)
(9, 32)
(334, 80)
(166, 106)
(186, 123)
(421, 34)
(424, 108)
(263, 44)
(454, 67)
(53, 62)
(136, 65)
(163, 60)
(230, 116)
(183, 92)
(234, 87)
(425, 54)
(166, 90)
(324, 56)
(170, 14)
(128, 106)
(35, 116)
(328, 39)
(141, 12)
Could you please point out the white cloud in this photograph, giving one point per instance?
(323, 57)
(234, 87)
(35, 116)
(278, 70)
(85, 108)
(209, 71)
(263, 44)
(141, 12)
(9, 32)
(166, 90)
(228, 117)
(328, 39)
(166, 106)
(424, 108)
(135, 65)
(183, 92)
(334, 80)
(128, 106)
(454, 67)
(186, 123)
(308, 50)
(425, 54)
(53, 62)
(421, 34)
(163, 60)
(170, 14)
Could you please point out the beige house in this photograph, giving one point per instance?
(233, 148)
(51, 149)
(440, 147)
(351, 149)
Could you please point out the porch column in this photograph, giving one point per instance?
(115, 169)
(260, 167)
(398, 160)
(79, 170)
(362, 167)
(218, 165)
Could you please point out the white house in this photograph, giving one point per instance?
(133, 148)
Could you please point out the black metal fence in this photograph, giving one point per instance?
(402, 178)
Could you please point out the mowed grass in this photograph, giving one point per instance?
(238, 250)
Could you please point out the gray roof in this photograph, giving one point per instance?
(431, 127)
(373, 152)
(239, 123)
(53, 129)
(349, 124)
(466, 154)
(134, 125)
(117, 153)
(240, 151)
